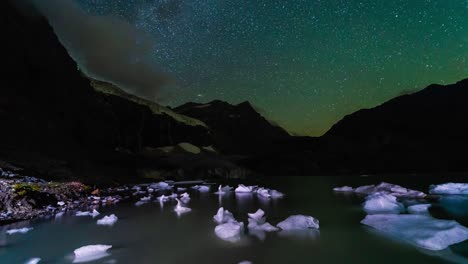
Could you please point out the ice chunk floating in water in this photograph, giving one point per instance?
(382, 203)
(223, 190)
(94, 213)
(449, 188)
(180, 209)
(258, 216)
(108, 220)
(33, 261)
(223, 216)
(20, 230)
(297, 222)
(230, 231)
(244, 189)
(90, 253)
(343, 189)
(419, 230)
(257, 223)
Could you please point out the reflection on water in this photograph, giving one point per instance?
(152, 232)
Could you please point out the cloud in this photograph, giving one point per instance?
(106, 48)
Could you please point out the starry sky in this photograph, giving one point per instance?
(303, 63)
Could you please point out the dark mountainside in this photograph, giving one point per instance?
(55, 124)
(237, 129)
(422, 132)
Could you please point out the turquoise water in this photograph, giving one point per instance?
(155, 234)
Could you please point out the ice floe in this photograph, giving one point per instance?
(422, 209)
(382, 203)
(94, 213)
(19, 230)
(297, 222)
(162, 198)
(146, 198)
(108, 220)
(384, 187)
(245, 262)
(230, 231)
(201, 188)
(33, 261)
(258, 226)
(420, 230)
(185, 197)
(244, 189)
(262, 192)
(140, 203)
(223, 216)
(90, 253)
(258, 216)
(276, 194)
(449, 188)
(223, 190)
(343, 189)
(180, 209)
(161, 186)
(266, 227)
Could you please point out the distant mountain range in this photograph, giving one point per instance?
(61, 124)
(426, 131)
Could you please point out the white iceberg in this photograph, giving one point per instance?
(180, 209)
(265, 227)
(382, 203)
(366, 189)
(23, 230)
(161, 186)
(262, 192)
(420, 230)
(223, 190)
(230, 231)
(384, 187)
(94, 213)
(258, 216)
(449, 188)
(343, 189)
(244, 189)
(33, 261)
(201, 188)
(140, 203)
(276, 194)
(419, 209)
(146, 198)
(297, 222)
(90, 253)
(162, 198)
(60, 203)
(204, 188)
(108, 220)
(181, 189)
(185, 196)
(223, 216)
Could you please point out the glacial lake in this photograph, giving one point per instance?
(154, 234)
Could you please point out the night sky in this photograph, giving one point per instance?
(303, 63)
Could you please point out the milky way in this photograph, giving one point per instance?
(304, 63)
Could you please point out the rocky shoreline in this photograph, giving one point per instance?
(25, 197)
